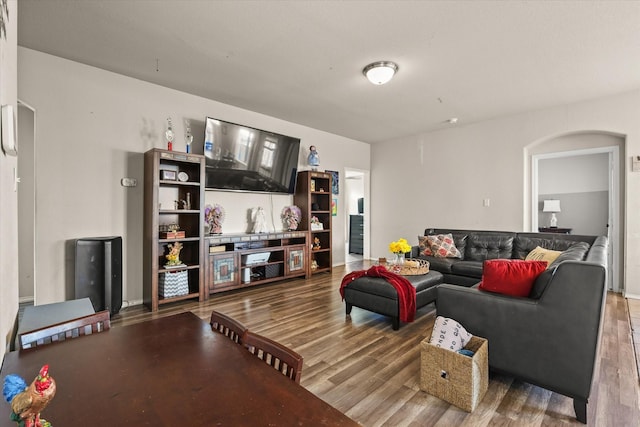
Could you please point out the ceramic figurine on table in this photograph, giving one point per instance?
(214, 216)
(291, 217)
(27, 402)
(259, 221)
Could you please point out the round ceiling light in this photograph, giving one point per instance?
(380, 72)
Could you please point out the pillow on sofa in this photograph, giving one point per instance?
(542, 254)
(443, 246)
(510, 276)
(449, 334)
(423, 245)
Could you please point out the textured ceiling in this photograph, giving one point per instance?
(301, 61)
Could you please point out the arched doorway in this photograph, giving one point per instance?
(584, 172)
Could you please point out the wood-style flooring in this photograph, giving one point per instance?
(370, 372)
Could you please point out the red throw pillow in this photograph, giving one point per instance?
(511, 276)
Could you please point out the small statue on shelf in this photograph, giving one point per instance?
(173, 257)
(316, 244)
(314, 265)
(313, 159)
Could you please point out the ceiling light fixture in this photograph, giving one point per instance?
(380, 72)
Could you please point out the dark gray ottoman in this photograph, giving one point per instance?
(377, 295)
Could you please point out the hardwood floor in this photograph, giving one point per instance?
(370, 372)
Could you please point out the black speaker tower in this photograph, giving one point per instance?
(98, 272)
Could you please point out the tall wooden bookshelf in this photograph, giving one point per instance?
(173, 198)
(313, 197)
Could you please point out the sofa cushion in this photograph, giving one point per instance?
(449, 334)
(442, 265)
(542, 254)
(511, 276)
(481, 247)
(526, 242)
(576, 252)
(467, 268)
(443, 246)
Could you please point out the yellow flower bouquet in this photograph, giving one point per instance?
(400, 246)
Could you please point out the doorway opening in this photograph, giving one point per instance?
(356, 211)
(26, 203)
(585, 188)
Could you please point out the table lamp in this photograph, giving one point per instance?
(552, 206)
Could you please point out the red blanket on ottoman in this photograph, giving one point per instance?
(406, 291)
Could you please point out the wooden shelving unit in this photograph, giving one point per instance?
(170, 200)
(229, 266)
(313, 197)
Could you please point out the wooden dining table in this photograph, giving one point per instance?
(170, 371)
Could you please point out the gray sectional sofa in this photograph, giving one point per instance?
(549, 339)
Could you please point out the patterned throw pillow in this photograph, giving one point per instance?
(443, 246)
(423, 244)
(449, 334)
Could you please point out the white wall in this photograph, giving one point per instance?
(440, 178)
(8, 197)
(92, 127)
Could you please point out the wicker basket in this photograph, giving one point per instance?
(458, 379)
(411, 267)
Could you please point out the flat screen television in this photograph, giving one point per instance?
(242, 158)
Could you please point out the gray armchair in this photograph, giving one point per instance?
(551, 341)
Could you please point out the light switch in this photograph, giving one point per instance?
(129, 182)
(486, 203)
(635, 164)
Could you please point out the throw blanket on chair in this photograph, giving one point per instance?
(406, 291)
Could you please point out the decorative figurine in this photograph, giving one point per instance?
(314, 265)
(313, 160)
(214, 216)
(28, 402)
(316, 244)
(259, 221)
(169, 134)
(173, 257)
(188, 136)
(291, 217)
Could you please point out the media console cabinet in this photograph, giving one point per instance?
(242, 260)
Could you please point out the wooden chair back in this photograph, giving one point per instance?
(74, 328)
(275, 354)
(228, 326)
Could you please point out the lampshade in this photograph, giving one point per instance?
(551, 206)
(380, 72)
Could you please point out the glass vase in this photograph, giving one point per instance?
(399, 259)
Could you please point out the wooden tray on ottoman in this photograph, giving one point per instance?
(411, 267)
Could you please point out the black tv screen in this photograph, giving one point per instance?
(242, 158)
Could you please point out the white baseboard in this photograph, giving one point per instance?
(23, 300)
(632, 296)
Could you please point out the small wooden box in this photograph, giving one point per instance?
(458, 379)
(172, 234)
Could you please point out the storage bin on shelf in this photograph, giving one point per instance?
(173, 284)
(458, 379)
